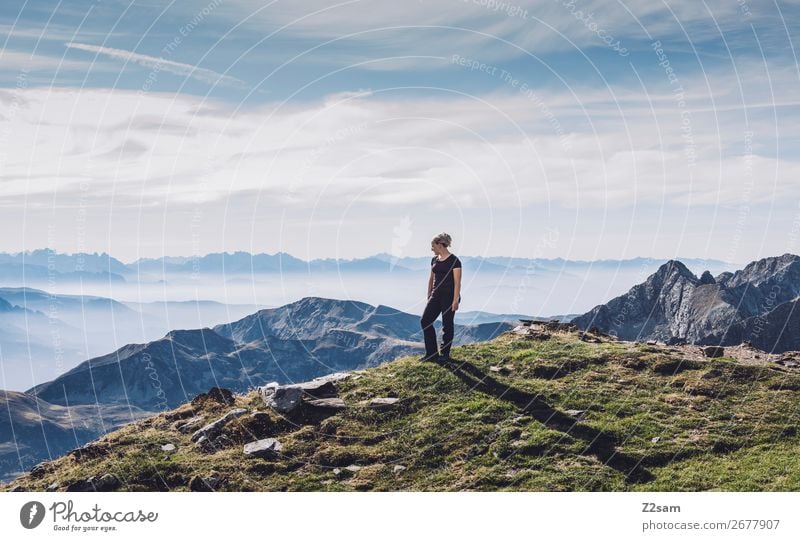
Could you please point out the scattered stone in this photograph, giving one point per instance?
(655, 439)
(333, 403)
(222, 441)
(353, 468)
(89, 451)
(40, 469)
(383, 402)
(788, 362)
(209, 446)
(215, 394)
(188, 426)
(713, 351)
(82, 485)
(578, 414)
(336, 376)
(211, 430)
(168, 447)
(651, 343)
(284, 399)
(266, 448)
(52, 487)
(106, 483)
(205, 484)
(398, 469)
(337, 471)
(16, 488)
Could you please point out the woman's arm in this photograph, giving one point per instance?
(430, 284)
(457, 289)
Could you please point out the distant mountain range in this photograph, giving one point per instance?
(295, 342)
(759, 304)
(46, 264)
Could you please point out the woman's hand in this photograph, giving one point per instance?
(455, 305)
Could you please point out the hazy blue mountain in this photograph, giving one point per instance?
(17, 273)
(67, 263)
(295, 342)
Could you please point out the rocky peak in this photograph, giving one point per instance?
(758, 272)
(670, 272)
(707, 278)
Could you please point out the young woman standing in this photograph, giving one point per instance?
(444, 296)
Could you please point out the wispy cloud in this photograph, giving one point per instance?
(161, 64)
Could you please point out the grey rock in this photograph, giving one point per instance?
(52, 487)
(576, 413)
(287, 398)
(266, 448)
(16, 488)
(205, 483)
(333, 403)
(383, 402)
(168, 447)
(190, 424)
(40, 469)
(398, 468)
(284, 399)
(211, 430)
(106, 482)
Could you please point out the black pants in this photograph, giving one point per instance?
(439, 303)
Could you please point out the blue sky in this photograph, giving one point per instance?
(328, 129)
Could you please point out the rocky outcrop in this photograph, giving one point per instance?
(266, 448)
(674, 306)
(214, 429)
(318, 392)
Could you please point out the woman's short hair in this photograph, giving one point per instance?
(443, 238)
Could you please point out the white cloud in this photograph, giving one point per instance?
(161, 64)
(362, 148)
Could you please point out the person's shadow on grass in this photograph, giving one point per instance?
(598, 443)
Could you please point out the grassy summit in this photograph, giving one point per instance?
(504, 415)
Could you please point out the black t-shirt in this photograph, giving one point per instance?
(443, 273)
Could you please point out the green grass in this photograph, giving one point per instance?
(683, 425)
